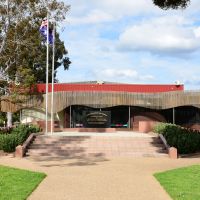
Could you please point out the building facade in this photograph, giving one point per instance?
(112, 105)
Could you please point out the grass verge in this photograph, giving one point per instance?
(182, 183)
(17, 184)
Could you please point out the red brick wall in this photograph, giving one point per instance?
(192, 126)
(42, 124)
(146, 116)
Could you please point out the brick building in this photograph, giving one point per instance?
(111, 105)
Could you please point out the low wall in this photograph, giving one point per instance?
(146, 126)
(146, 116)
(20, 150)
(172, 151)
(42, 125)
(194, 126)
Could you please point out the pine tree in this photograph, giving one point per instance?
(171, 4)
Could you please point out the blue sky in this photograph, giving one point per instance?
(132, 42)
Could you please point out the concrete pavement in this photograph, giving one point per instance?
(99, 179)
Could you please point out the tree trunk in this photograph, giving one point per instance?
(9, 119)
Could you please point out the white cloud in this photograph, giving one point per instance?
(127, 7)
(191, 79)
(95, 16)
(90, 11)
(81, 11)
(193, 8)
(91, 40)
(121, 74)
(161, 35)
(197, 32)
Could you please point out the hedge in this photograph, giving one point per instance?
(185, 140)
(5, 130)
(16, 136)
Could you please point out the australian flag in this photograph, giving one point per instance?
(43, 31)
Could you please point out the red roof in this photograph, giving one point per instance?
(111, 87)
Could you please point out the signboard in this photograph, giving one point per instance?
(97, 119)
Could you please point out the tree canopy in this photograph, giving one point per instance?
(171, 4)
(22, 52)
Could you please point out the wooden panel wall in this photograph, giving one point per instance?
(62, 100)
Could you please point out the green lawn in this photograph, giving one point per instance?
(17, 184)
(182, 183)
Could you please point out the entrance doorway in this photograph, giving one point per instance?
(88, 117)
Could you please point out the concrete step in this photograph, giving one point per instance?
(82, 139)
(86, 154)
(98, 146)
(60, 151)
(77, 146)
(102, 146)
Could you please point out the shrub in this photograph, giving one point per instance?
(9, 143)
(185, 140)
(5, 130)
(17, 136)
(1, 142)
(159, 128)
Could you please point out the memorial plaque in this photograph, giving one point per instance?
(97, 119)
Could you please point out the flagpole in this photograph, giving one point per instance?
(47, 73)
(52, 81)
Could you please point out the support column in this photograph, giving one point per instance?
(52, 81)
(129, 117)
(20, 116)
(174, 120)
(47, 76)
(70, 113)
(9, 119)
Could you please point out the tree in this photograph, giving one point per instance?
(22, 51)
(174, 4)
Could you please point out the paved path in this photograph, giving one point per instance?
(93, 179)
